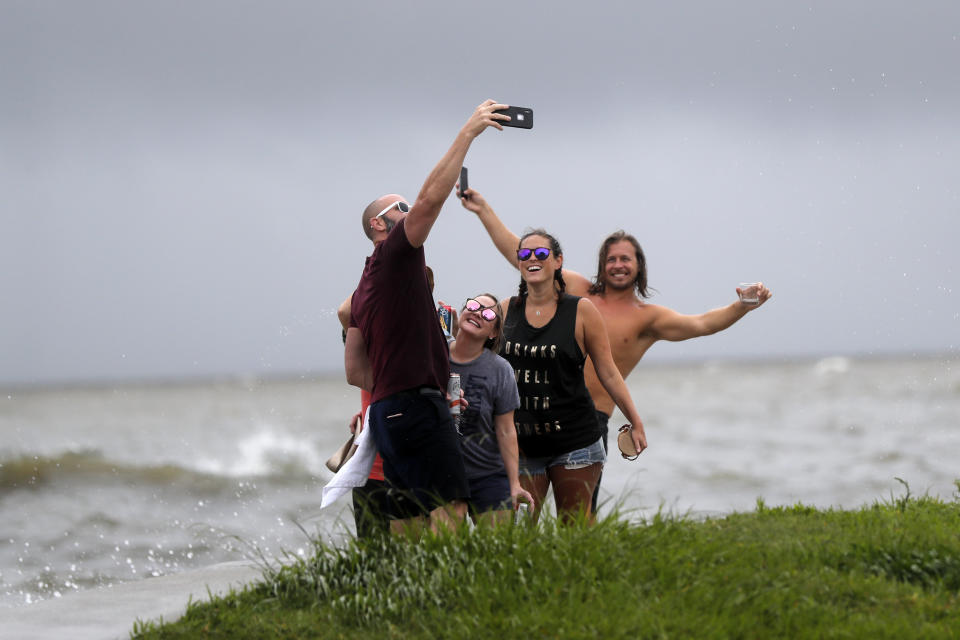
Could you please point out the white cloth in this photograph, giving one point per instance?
(356, 470)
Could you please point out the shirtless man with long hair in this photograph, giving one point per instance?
(619, 291)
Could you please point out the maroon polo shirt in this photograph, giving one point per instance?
(393, 308)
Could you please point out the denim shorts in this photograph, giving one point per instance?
(576, 459)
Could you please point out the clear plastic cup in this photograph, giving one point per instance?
(750, 293)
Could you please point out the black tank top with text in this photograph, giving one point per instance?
(556, 414)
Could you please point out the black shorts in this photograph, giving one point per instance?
(603, 420)
(422, 462)
(371, 508)
(490, 493)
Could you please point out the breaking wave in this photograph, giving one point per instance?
(268, 462)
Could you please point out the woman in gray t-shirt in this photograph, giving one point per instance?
(488, 434)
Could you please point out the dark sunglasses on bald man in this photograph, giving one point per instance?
(399, 204)
(541, 253)
(487, 313)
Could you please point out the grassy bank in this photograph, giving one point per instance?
(888, 570)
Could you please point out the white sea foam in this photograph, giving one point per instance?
(832, 365)
(266, 452)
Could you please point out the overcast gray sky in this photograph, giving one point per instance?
(182, 181)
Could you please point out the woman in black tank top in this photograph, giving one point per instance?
(547, 335)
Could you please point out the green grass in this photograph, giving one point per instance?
(888, 570)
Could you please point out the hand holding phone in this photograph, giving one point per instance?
(463, 182)
(521, 117)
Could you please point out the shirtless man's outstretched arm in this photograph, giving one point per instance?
(669, 325)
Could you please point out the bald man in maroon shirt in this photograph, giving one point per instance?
(396, 349)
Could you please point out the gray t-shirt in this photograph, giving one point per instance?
(490, 389)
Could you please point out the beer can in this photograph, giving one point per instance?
(453, 388)
(446, 319)
(522, 515)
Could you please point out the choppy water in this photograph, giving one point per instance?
(106, 485)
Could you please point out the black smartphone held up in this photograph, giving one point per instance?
(463, 181)
(521, 117)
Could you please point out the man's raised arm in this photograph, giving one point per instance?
(439, 183)
(675, 327)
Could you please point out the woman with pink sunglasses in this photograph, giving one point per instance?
(488, 436)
